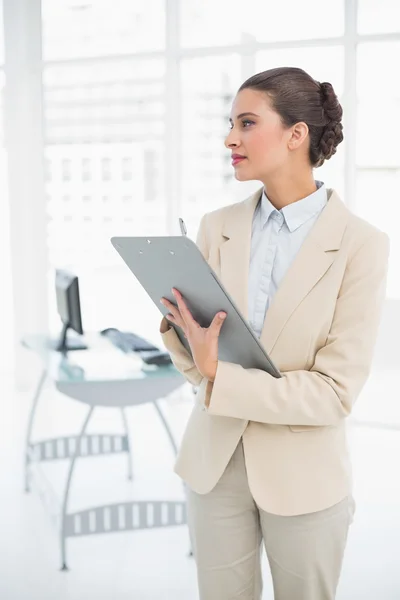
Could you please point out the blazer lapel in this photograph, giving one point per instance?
(312, 261)
(235, 251)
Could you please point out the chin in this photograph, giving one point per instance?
(242, 175)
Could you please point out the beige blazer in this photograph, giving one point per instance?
(320, 331)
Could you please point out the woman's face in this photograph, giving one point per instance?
(258, 135)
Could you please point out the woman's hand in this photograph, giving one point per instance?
(203, 341)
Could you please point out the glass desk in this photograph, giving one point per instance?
(103, 376)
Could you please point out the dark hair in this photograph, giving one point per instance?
(296, 97)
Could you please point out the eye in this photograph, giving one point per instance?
(245, 123)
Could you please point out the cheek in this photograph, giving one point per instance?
(264, 143)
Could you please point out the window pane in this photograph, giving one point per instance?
(76, 29)
(2, 86)
(6, 357)
(221, 22)
(1, 34)
(117, 100)
(323, 64)
(294, 20)
(208, 88)
(378, 17)
(377, 202)
(378, 95)
(104, 133)
(209, 23)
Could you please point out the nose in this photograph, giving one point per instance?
(231, 140)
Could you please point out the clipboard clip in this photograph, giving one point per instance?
(182, 226)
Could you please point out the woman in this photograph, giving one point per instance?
(264, 458)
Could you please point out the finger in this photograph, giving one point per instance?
(174, 312)
(216, 323)
(183, 309)
(172, 319)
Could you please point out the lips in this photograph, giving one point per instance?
(237, 158)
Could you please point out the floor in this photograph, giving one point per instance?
(154, 565)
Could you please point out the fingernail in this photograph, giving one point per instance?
(222, 316)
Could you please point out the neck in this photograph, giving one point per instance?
(282, 191)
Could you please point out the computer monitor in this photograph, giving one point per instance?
(69, 309)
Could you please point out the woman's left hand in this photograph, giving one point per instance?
(203, 341)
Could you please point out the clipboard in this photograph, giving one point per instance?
(163, 262)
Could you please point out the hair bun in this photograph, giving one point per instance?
(330, 103)
(332, 133)
(330, 139)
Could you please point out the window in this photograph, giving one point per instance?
(227, 23)
(378, 153)
(378, 17)
(1, 34)
(88, 28)
(105, 157)
(6, 356)
(287, 20)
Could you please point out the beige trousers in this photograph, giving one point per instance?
(305, 552)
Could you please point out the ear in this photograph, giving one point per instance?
(299, 133)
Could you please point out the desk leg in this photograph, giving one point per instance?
(35, 401)
(166, 427)
(125, 424)
(67, 489)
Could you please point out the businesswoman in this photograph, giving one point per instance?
(264, 458)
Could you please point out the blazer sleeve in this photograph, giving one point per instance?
(180, 357)
(326, 393)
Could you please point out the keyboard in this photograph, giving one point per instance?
(128, 341)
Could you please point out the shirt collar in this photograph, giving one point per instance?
(297, 213)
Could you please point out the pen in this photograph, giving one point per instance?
(182, 226)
